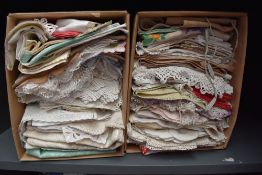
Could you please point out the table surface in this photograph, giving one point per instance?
(244, 148)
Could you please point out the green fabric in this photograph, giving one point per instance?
(29, 51)
(46, 52)
(25, 56)
(148, 39)
(152, 36)
(45, 153)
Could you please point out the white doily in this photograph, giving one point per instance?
(105, 91)
(75, 80)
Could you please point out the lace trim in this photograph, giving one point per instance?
(33, 112)
(57, 140)
(160, 145)
(219, 50)
(181, 75)
(154, 144)
(105, 91)
(92, 50)
(18, 35)
(214, 113)
(120, 47)
(55, 89)
(99, 127)
(77, 105)
(184, 119)
(170, 135)
(72, 136)
(155, 123)
(74, 125)
(189, 121)
(217, 113)
(172, 106)
(49, 27)
(75, 80)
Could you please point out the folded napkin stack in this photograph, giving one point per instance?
(181, 83)
(70, 80)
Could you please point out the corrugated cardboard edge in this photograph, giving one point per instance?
(17, 109)
(126, 82)
(237, 74)
(71, 14)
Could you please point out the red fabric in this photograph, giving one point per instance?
(222, 103)
(144, 150)
(66, 34)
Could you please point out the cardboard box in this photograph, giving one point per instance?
(17, 109)
(237, 79)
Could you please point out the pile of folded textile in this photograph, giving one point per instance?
(70, 78)
(181, 83)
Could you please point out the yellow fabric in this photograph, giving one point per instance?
(168, 93)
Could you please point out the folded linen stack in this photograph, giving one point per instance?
(71, 79)
(181, 91)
